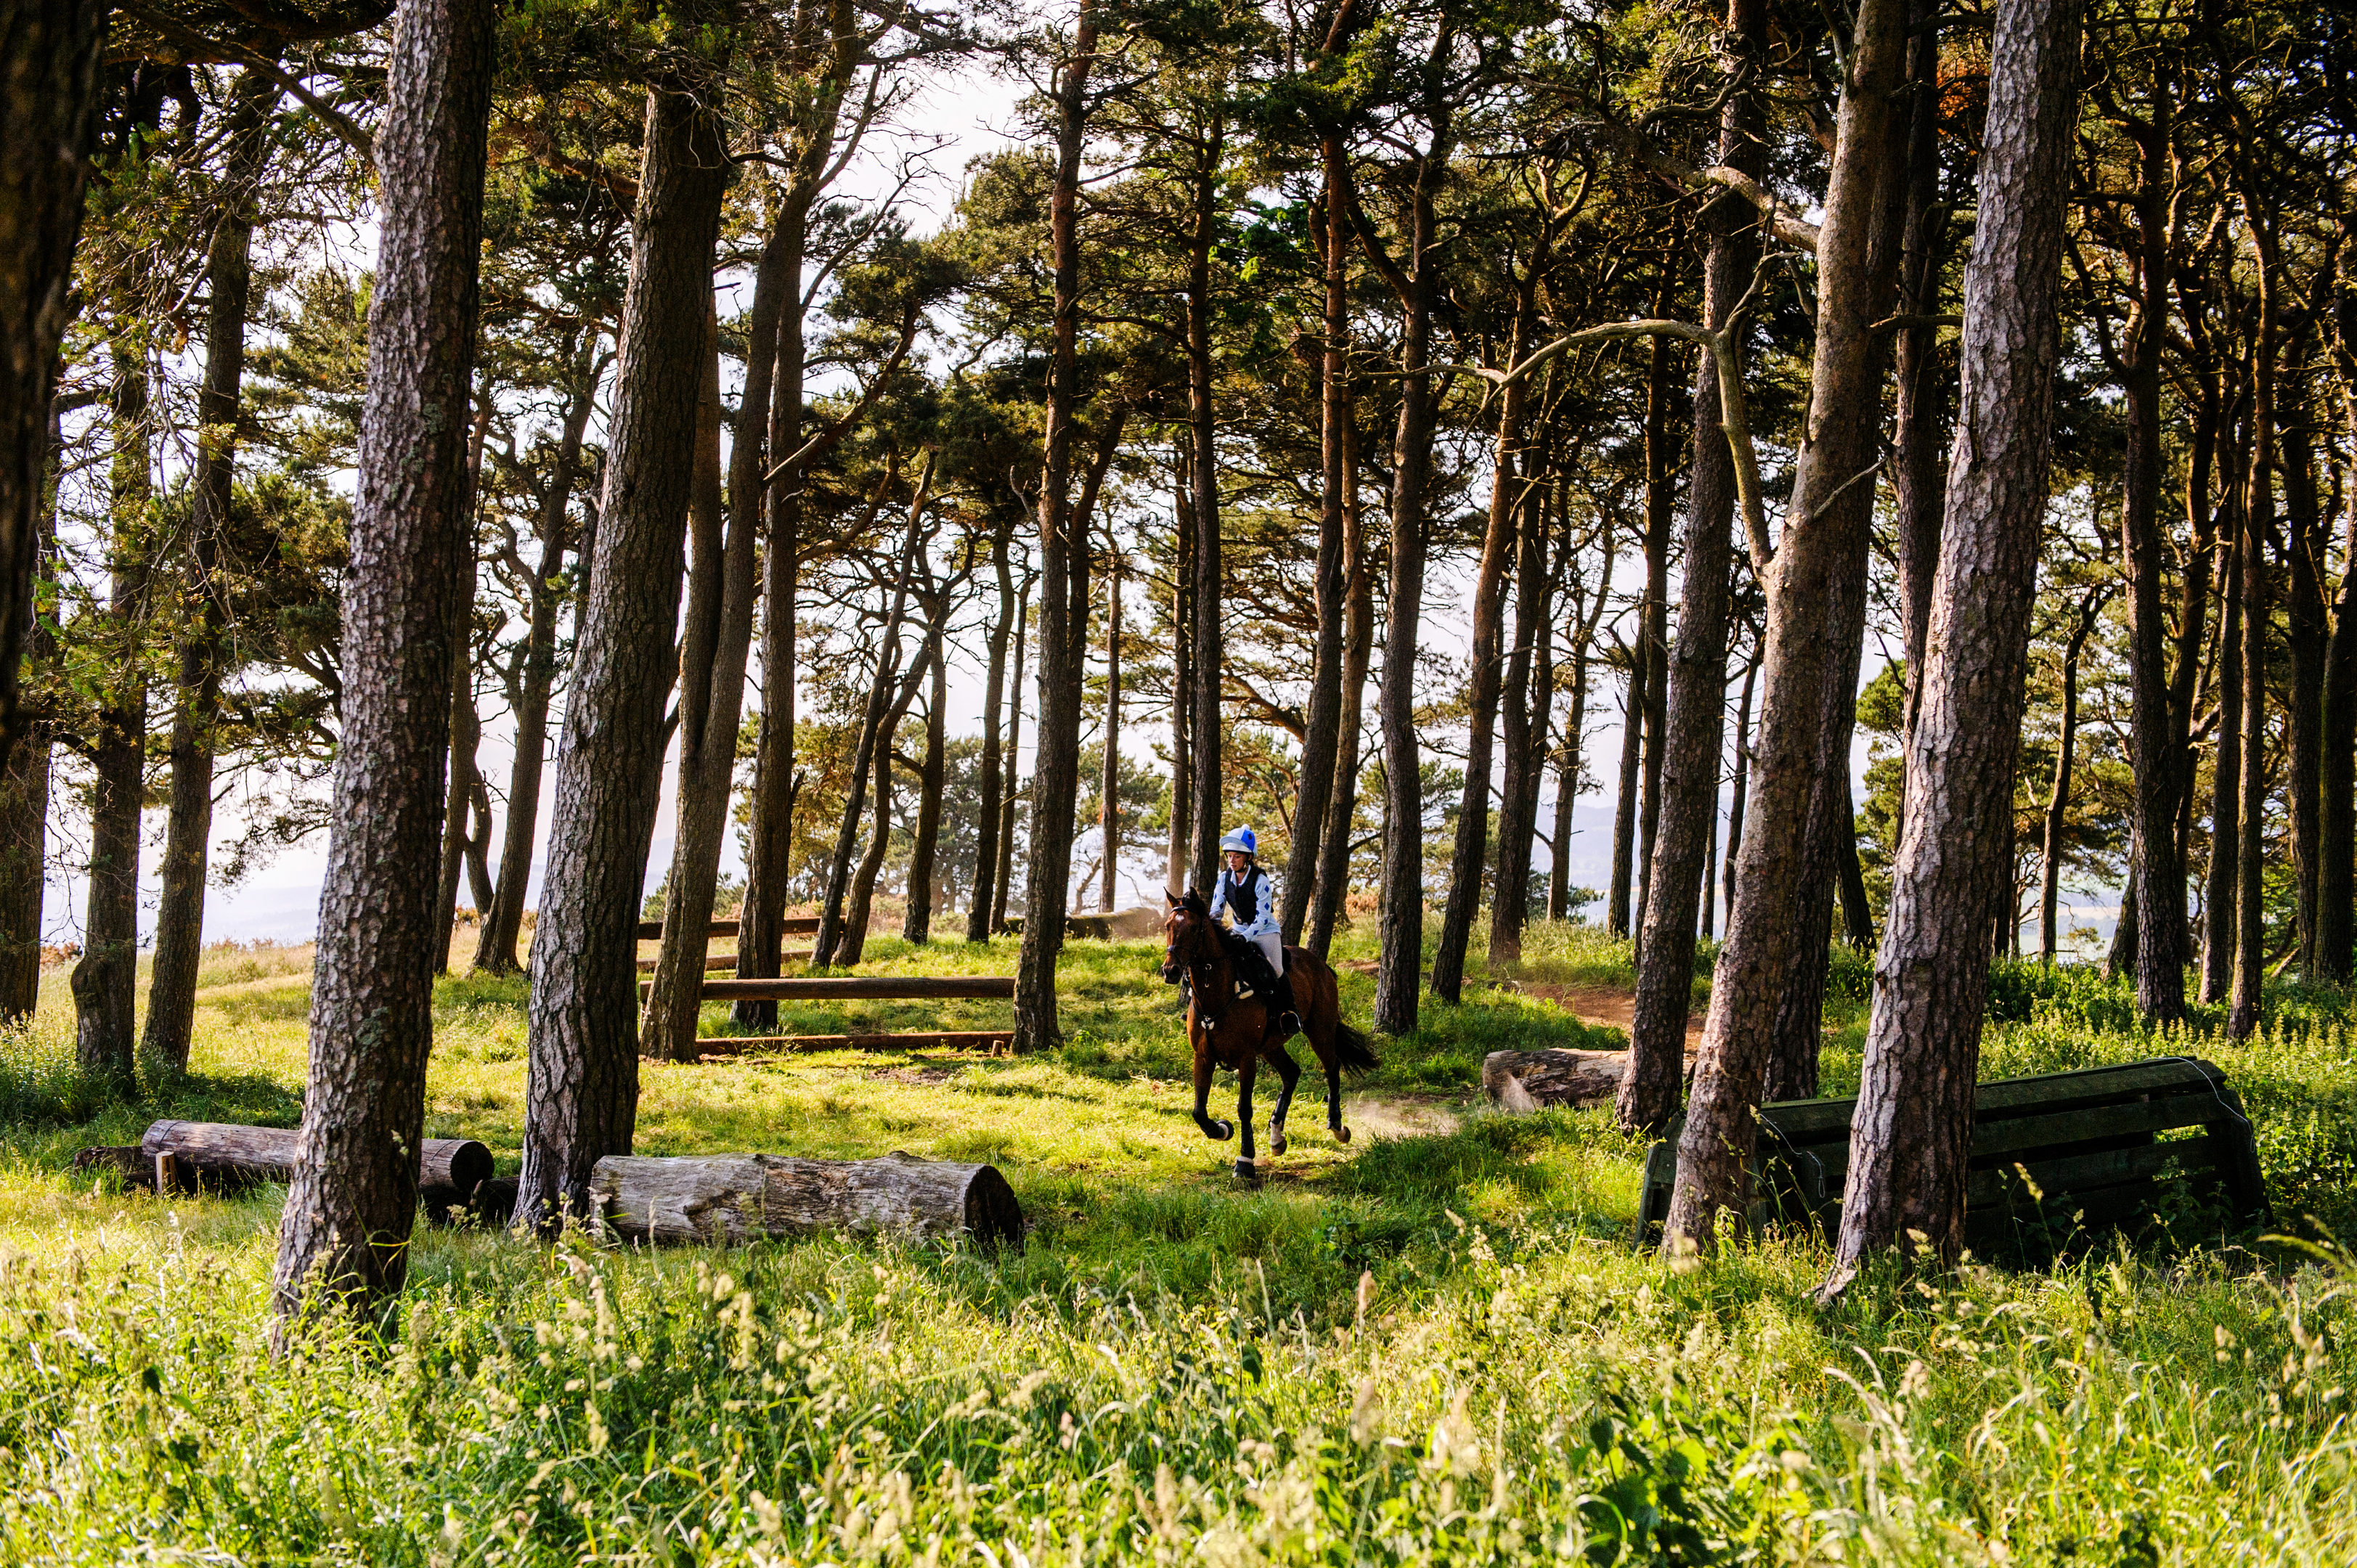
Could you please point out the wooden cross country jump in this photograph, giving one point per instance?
(792, 925)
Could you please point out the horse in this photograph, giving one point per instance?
(1240, 1034)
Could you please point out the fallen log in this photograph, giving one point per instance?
(729, 1200)
(722, 963)
(721, 1048)
(224, 1149)
(1524, 1081)
(861, 988)
(128, 1161)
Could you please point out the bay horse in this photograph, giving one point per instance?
(1239, 1033)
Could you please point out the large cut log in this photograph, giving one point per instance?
(721, 1048)
(729, 1200)
(220, 1149)
(862, 988)
(129, 1161)
(1530, 1080)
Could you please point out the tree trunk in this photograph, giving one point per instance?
(24, 849)
(459, 796)
(49, 50)
(2058, 799)
(495, 950)
(1005, 873)
(1625, 798)
(860, 902)
(731, 1199)
(1568, 763)
(2336, 821)
(1820, 556)
(1206, 660)
(1527, 698)
(1109, 789)
(1918, 480)
(1350, 724)
(1182, 679)
(994, 778)
(353, 1198)
(1695, 718)
(582, 1090)
(1472, 843)
(180, 909)
(714, 647)
(1400, 915)
(1661, 511)
(1914, 1118)
(1735, 803)
(2123, 955)
(2306, 637)
(106, 981)
(2160, 777)
(1321, 731)
(917, 927)
(1063, 567)
(2218, 904)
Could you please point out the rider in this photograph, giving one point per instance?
(1245, 893)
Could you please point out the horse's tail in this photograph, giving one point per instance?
(1353, 1050)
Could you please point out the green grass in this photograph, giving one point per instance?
(1432, 1343)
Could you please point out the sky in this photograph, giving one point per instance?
(961, 114)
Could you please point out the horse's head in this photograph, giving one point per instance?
(1185, 923)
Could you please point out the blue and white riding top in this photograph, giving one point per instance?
(1254, 891)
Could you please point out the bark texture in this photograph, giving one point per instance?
(582, 1087)
(48, 113)
(1913, 1125)
(353, 1198)
(1821, 554)
(1695, 724)
(1334, 845)
(731, 1199)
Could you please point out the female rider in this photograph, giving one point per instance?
(1247, 896)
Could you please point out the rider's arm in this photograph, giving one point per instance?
(1219, 897)
(1265, 917)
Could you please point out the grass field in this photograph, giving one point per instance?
(1434, 1344)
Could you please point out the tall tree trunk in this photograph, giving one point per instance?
(1182, 679)
(1821, 556)
(2336, 821)
(1005, 873)
(1207, 659)
(1400, 915)
(458, 795)
(2121, 959)
(1321, 731)
(1696, 717)
(917, 927)
(1918, 479)
(1661, 511)
(1568, 762)
(2161, 779)
(582, 1089)
(1914, 1118)
(868, 751)
(714, 647)
(1734, 804)
(1109, 788)
(1350, 724)
(104, 982)
(2258, 524)
(353, 1196)
(1063, 571)
(2218, 904)
(1471, 848)
(859, 914)
(49, 52)
(25, 815)
(181, 908)
(995, 780)
(2058, 799)
(495, 950)
(1616, 911)
(1526, 698)
(2307, 640)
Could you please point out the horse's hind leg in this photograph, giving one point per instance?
(1324, 1037)
(1287, 1075)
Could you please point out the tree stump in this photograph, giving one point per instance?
(728, 1199)
(225, 1151)
(1524, 1081)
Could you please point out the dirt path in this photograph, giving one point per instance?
(1612, 1006)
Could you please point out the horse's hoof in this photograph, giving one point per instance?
(1341, 1134)
(1277, 1144)
(1219, 1132)
(1248, 1173)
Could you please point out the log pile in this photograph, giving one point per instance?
(731, 1199)
(1524, 1081)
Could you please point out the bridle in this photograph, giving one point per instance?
(1197, 972)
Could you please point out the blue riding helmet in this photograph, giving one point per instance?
(1241, 839)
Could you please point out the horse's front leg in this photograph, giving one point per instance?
(1246, 1169)
(1287, 1075)
(1218, 1132)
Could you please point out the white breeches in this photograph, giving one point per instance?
(1271, 947)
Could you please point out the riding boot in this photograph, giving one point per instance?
(1282, 1006)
